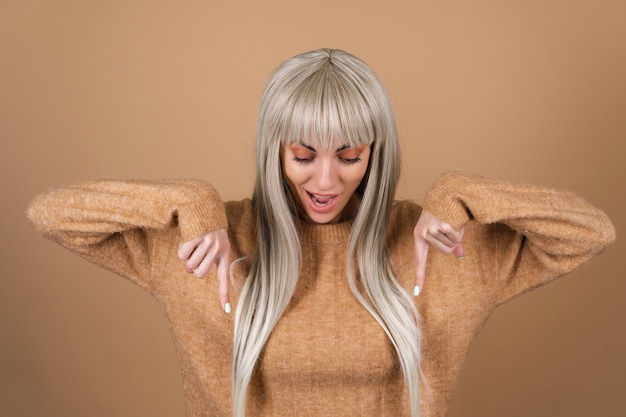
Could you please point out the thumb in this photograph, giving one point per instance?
(458, 250)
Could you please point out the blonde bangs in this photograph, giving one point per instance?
(327, 111)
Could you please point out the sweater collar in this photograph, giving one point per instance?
(324, 233)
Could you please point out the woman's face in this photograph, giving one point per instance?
(323, 182)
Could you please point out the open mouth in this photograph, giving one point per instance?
(321, 200)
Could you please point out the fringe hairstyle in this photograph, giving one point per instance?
(324, 97)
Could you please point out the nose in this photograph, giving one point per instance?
(325, 175)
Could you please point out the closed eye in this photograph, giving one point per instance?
(302, 160)
(351, 160)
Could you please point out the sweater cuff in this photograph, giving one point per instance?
(198, 218)
(444, 200)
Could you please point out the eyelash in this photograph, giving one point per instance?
(348, 161)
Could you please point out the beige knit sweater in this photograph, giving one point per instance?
(327, 356)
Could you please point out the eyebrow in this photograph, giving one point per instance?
(309, 147)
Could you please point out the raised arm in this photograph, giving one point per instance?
(116, 224)
(537, 233)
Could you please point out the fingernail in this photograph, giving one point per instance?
(227, 308)
(461, 257)
(416, 290)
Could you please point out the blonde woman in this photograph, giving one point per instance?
(324, 270)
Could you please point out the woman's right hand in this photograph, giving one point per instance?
(202, 252)
(431, 231)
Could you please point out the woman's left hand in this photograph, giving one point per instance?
(430, 231)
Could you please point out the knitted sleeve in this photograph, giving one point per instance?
(115, 224)
(539, 233)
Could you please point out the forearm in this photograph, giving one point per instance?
(95, 209)
(558, 221)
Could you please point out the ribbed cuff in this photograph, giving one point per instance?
(201, 217)
(444, 199)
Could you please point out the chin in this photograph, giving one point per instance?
(319, 219)
(324, 218)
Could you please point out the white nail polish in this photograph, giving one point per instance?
(227, 308)
(416, 291)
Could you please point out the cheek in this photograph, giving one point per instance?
(356, 177)
(293, 174)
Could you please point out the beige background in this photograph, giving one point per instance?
(529, 90)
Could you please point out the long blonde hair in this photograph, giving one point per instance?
(325, 97)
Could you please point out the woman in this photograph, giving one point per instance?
(320, 264)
